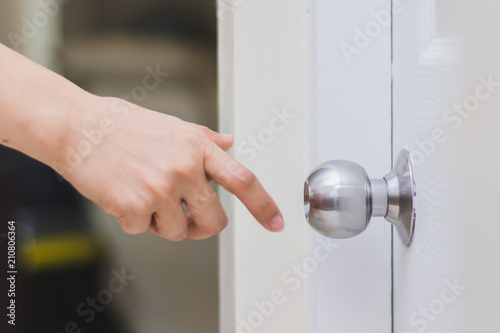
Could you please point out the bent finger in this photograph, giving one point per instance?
(208, 216)
(170, 222)
(134, 225)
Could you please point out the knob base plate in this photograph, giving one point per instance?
(401, 193)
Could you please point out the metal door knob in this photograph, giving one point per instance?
(340, 198)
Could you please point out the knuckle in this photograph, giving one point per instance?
(140, 208)
(132, 205)
(203, 199)
(171, 236)
(218, 226)
(204, 128)
(130, 227)
(198, 141)
(176, 238)
(186, 169)
(245, 179)
(223, 222)
(263, 211)
(164, 188)
(111, 203)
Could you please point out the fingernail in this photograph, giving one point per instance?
(227, 136)
(277, 223)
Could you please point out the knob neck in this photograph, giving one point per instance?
(379, 197)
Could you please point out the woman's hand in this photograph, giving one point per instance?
(142, 166)
(139, 165)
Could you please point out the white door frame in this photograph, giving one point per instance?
(263, 72)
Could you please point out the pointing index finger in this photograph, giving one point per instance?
(240, 181)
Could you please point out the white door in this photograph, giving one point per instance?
(445, 111)
(360, 81)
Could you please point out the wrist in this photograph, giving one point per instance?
(63, 132)
(91, 121)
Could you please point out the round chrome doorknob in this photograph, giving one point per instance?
(340, 198)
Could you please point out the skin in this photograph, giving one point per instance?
(137, 164)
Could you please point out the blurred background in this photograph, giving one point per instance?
(77, 268)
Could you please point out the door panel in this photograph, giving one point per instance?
(350, 118)
(429, 276)
(480, 163)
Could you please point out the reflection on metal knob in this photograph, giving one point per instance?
(340, 198)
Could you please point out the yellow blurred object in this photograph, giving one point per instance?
(58, 251)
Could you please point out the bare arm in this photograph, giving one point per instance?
(139, 165)
(35, 106)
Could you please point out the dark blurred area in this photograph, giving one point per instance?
(193, 20)
(77, 271)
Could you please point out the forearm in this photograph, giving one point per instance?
(37, 107)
